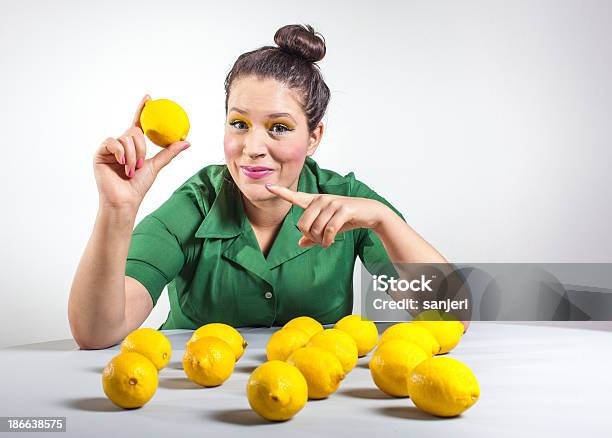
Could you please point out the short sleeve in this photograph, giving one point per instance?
(159, 247)
(369, 247)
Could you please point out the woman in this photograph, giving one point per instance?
(266, 237)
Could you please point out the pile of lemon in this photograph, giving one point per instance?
(130, 379)
(403, 364)
(307, 361)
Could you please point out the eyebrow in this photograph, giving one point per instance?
(269, 115)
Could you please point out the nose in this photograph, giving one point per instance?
(255, 145)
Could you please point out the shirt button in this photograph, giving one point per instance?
(268, 295)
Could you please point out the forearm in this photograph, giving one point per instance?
(402, 243)
(96, 307)
(404, 246)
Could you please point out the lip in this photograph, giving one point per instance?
(256, 172)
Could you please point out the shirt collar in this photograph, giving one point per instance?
(227, 218)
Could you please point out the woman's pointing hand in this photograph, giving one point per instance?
(326, 215)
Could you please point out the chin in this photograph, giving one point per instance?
(256, 192)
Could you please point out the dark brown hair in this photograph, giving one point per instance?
(292, 63)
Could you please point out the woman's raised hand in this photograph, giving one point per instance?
(123, 174)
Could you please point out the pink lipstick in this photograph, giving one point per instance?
(256, 172)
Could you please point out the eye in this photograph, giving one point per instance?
(285, 129)
(235, 122)
(282, 128)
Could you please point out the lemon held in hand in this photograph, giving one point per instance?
(224, 332)
(209, 361)
(362, 330)
(305, 323)
(284, 342)
(321, 369)
(443, 386)
(392, 363)
(164, 122)
(276, 390)
(151, 343)
(412, 332)
(129, 380)
(339, 344)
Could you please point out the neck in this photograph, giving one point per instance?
(269, 213)
(266, 214)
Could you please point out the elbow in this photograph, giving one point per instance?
(91, 344)
(88, 338)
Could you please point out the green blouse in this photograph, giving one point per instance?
(200, 243)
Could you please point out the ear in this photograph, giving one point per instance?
(314, 139)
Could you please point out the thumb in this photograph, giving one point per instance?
(141, 105)
(167, 154)
(305, 242)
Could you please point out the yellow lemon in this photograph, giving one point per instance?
(164, 122)
(413, 333)
(391, 364)
(284, 342)
(362, 330)
(321, 369)
(443, 386)
(339, 344)
(209, 361)
(305, 323)
(151, 343)
(222, 331)
(129, 380)
(277, 390)
(435, 315)
(446, 329)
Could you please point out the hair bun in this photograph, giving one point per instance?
(302, 41)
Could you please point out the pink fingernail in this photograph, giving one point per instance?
(139, 163)
(122, 159)
(185, 147)
(131, 174)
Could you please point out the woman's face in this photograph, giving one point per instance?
(266, 136)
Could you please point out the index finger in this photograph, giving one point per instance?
(301, 199)
(136, 121)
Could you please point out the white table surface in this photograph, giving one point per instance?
(534, 381)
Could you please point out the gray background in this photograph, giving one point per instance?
(485, 122)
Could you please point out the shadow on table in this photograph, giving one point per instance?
(97, 404)
(368, 393)
(242, 417)
(261, 357)
(61, 345)
(175, 365)
(581, 325)
(178, 383)
(408, 413)
(245, 368)
(176, 339)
